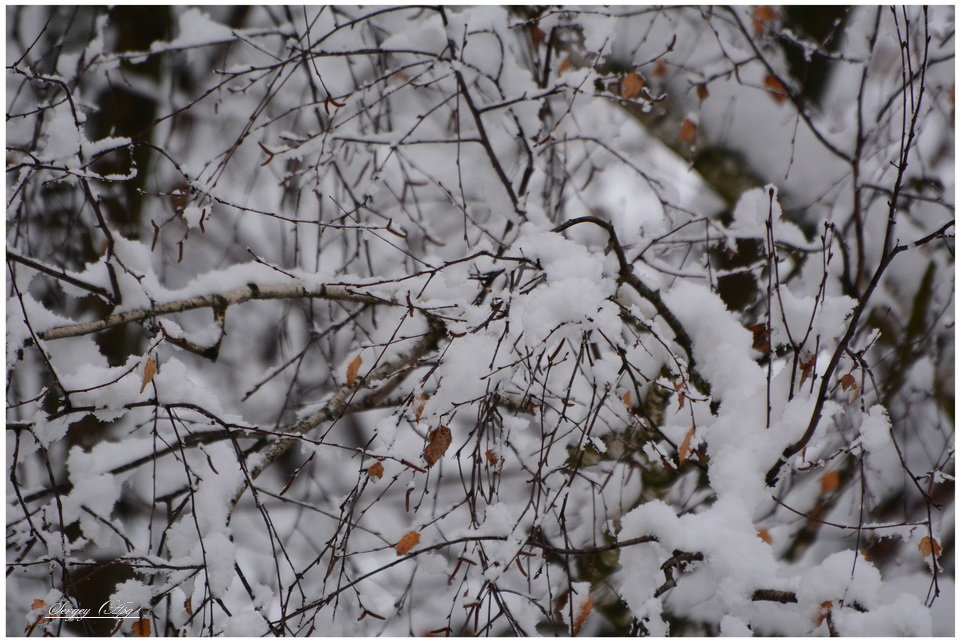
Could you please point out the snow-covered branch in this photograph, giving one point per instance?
(480, 321)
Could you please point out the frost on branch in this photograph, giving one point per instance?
(480, 321)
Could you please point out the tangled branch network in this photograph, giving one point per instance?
(493, 321)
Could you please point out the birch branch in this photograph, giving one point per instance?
(215, 301)
(338, 404)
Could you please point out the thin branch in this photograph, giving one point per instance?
(653, 296)
(215, 301)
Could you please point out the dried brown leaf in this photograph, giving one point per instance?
(762, 16)
(929, 547)
(632, 84)
(437, 443)
(688, 131)
(848, 381)
(627, 401)
(418, 405)
(764, 535)
(491, 457)
(684, 452)
(807, 362)
(829, 482)
(537, 35)
(564, 66)
(141, 627)
(761, 337)
(38, 604)
(188, 606)
(775, 88)
(702, 92)
(353, 368)
(582, 615)
(660, 68)
(825, 608)
(149, 370)
(375, 471)
(408, 542)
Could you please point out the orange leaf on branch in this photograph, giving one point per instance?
(829, 482)
(632, 84)
(582, 615)
(141, 627)
(408, 542)
(807, 362)
(683, 453)
(763, 16)
(761, 337)
(849, 383)
(775, 88)
(149, 370)
(418, 405)
(352, 369)
(825, 608)
(929, 547)
(537, 35)
(437, 443)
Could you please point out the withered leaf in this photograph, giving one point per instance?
(684, 452)
(537, 35)
(141, 627)
(825, 608)
(627, 401)
(829, 482)
(848, 381)
(929, 547)
(702, 92)
(582, 615)
(149, 370)
(632, 84)
(408, 542)
(761, 337)
(688, 131)
(352, 369)
(807, 362)
(764, 535)
(437, 443)
(564, 66)
(762, 16)
(418, 405)
(775, 88)
(375, 471)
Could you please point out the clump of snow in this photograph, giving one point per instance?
(906, 616)
(755, 209)
(733, 626)
(195, 28)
